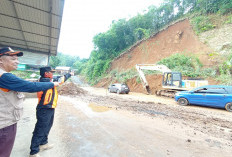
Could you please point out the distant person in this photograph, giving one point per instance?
(11, 107)
(45, 112)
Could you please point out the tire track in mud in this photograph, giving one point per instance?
(208, 124)
(212, 123)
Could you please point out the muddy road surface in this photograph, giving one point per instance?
(95, 123)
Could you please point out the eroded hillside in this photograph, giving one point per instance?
(176, 38)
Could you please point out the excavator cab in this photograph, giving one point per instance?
(173, 79)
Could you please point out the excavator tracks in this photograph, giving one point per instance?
(166, 93)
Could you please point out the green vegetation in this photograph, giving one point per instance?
(229, 19)
(187, 65)
(224, 79)
(180, 60)
(190, 66)
(124, 33)
(122, 76)
(24, 74)
(213, 6)
(63, 60)
(202, 24)
(225, 68)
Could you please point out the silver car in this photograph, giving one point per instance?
(118, 88)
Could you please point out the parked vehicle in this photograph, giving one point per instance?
(56, 78)
(218, 96)
(118, 88)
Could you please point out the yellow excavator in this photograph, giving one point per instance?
(171, 81)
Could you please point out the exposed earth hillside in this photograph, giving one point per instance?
(176, 38)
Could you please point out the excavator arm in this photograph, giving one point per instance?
(172, 81)
(153, 67)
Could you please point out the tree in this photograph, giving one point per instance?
(54, 61)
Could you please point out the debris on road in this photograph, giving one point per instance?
(70, 88)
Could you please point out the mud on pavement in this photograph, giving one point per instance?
(215, 123)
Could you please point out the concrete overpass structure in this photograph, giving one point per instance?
(31, 26)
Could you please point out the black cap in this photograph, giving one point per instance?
(10, 52)
(45, 69)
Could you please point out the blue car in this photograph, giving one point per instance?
(218, 96)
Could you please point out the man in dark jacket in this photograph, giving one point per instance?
(45, 112)
(11, 100)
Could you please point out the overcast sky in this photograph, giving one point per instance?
(83, 19)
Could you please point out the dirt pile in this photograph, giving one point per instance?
(70, 88)
(104, 83)
(154, 81)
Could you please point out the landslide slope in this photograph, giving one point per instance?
(176, 38)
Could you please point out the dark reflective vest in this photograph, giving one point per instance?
(48, 98)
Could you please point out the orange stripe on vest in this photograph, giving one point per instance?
(5, 90)
(48, 97)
